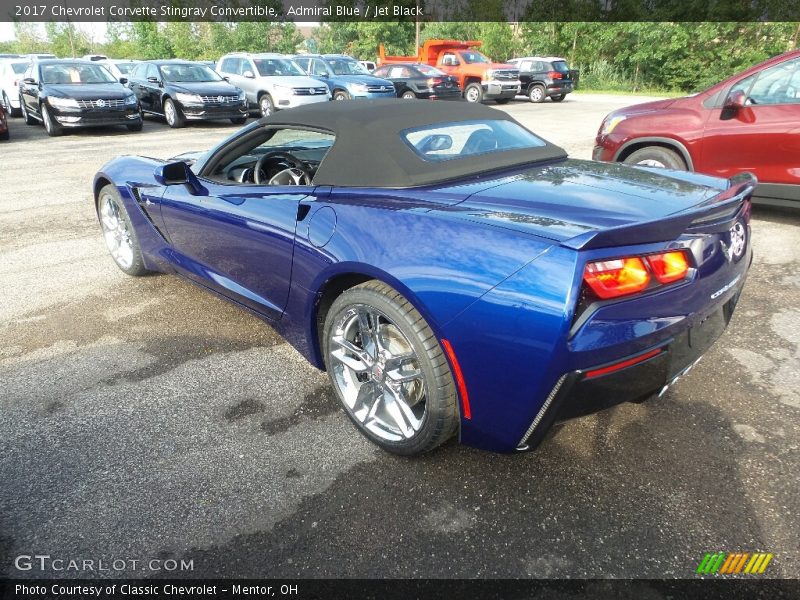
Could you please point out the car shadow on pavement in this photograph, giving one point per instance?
(638, 491)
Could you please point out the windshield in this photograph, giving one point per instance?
(429, 71)
(188, 73)
(345, 66)
(472, 56)
(468, 138)
(268, 67)
(125, 68)
(75, 73)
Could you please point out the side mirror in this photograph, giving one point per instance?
(123, 80)
(249, 74)
(226, 78)
(434, 143)
(29, 81)
(735, 102)
(179, 173)
(152, 80)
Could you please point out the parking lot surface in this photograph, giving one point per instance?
(145, 419)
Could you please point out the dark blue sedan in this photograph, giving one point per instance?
(454, 273)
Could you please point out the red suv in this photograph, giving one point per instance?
(749, 122)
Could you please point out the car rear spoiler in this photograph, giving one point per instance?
(714, 214)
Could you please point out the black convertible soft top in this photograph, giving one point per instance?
(369, 150)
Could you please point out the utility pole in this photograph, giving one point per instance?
(416, 46)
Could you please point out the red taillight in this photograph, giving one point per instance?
(434, 81)
(555, 75)
(669, 266)
(617, 277)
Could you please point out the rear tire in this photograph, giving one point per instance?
(503, 100)
(5, 136)
(405, 417)
(558, 98)
(53, 129)
(408, 95)
(173, 114)
(14, 112)
(536, 94)
(473, 93)
(656, 156)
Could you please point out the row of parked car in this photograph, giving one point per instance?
(43, 89)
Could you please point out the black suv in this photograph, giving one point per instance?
(544, 78)
(75, 93)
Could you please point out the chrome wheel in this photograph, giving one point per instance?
(266, 105)
(169, 113)
(649, 162)
(115, 232)
(378, 374)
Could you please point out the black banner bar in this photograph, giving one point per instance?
(398, 10)
(435, 589)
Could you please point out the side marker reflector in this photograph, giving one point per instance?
(621, 365)
(459, 377)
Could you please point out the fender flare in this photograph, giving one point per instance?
(663, 141)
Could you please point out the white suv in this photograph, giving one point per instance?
(271, 81)
(11, 70)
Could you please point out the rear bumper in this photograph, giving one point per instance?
(556, 89)
(633, 379)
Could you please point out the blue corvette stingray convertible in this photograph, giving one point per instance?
(450, 270)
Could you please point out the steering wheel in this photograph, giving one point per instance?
(292, 173)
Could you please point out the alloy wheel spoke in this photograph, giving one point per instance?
(400, 413)
(348, 346)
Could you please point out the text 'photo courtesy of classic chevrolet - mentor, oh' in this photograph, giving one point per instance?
(454, 273)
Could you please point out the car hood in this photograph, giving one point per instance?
(502, 67)
(296, 81)
(205, 88)
(89, 91)
(366, 79)
(564, 200)
(645, 107)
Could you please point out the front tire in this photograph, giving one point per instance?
(473, 93)
(173, 114)
(135, 127)
(53, 129)
(341, 95)
(266, 105)
(503, 100)
(118, 232)
(239, 120)
(656, 156)
(389, 371)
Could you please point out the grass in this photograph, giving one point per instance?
(639, 92)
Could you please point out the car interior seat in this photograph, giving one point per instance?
(482, 140)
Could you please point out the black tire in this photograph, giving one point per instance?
(341, 95)
(135, 126)
(53, 129)
(136, 268)
(266, 106)
(5, 136)
(656, 156)
(473, 93)
(408, 95)
(173, 114)
(29, 120)
(13, 112)
(558, 98)
(536, 94)
(441, 416)
(503, 100)
(239, 120)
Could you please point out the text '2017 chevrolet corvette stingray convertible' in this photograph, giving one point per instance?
(453, 272)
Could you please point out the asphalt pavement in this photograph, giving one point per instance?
(146, 420)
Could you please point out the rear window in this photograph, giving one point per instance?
(560, 66)
(19, 68)
(448, 141)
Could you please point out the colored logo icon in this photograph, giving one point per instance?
(733, 563)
